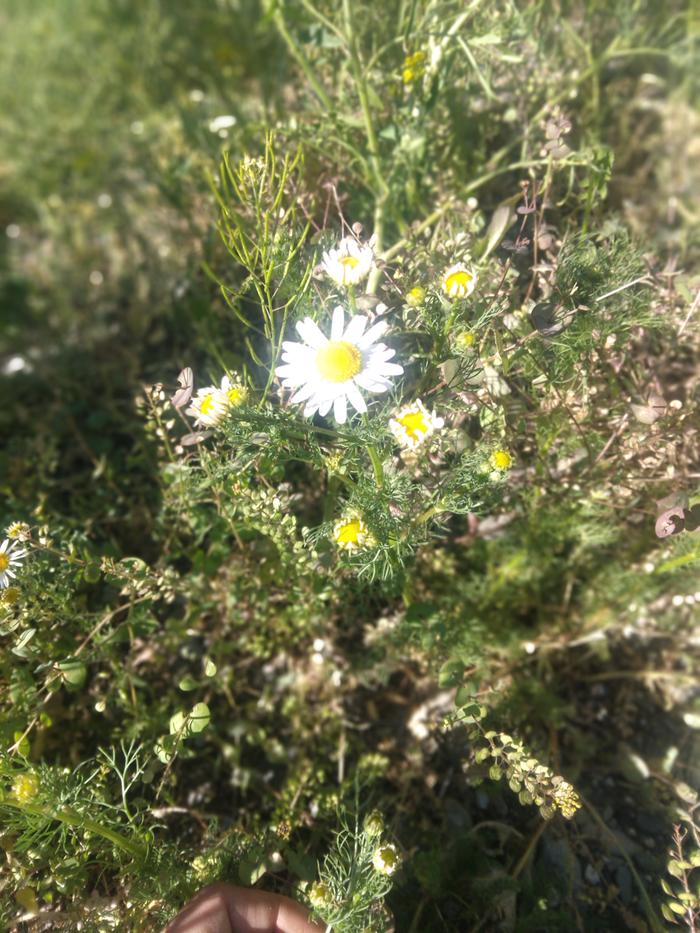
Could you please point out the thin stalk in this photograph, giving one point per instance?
(376, 465)
(71, 818)
(302, 60)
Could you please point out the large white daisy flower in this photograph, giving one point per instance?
(10, 557)
(329, 373)
(350, 263)
(212, 403)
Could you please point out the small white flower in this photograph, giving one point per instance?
(19, 531)
(386, 859)
(413, 424)
(459, 281)
(211, 404)
(10, 557)
(329, 373)
(350, 263)
(224, 122)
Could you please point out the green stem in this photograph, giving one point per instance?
(381, 188)
(376, 464)
(71, 818)
(302, 60)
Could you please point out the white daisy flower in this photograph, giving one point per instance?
(413, 424)
(459, 281)
(350, 263)
(10, 557)
(329, 372)
(386, 859)
(212, 403)
(351, 533)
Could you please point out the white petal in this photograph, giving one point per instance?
(340, 409)
(355, 328)
(379, 354)
(3, 546)
(293, 371)
(325, 406)
(387, 369)
(338, 323)
(372, 334)
(311, 334)
(355, 399)
(304, 392)
(372, 383)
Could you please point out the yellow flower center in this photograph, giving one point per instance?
(350, 262)
(338, 361)
(414, 423)
(206, 406)
(10, 596)
(501, 459)
(458, 281)
(350, 533)
(4, 562)
(236, 395)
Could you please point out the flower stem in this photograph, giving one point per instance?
(71, 818)
(376, 464)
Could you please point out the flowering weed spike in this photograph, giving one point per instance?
(329, 372)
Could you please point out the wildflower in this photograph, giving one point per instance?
(9, 558)
(413, 424)
(9, 596)
(566, 799)
(459, 281)
(25, 787)
(223, 122)
(415, 297)
(211, 404)
(351, 533)
(350, 263)
(374, 823)
(320, 895)
(465, 340)
(501, 460)
(386, 859)
(413, 67)
(327, 373)
(235, 391)
(18, 530)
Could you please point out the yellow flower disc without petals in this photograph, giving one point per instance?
(4, 562)
(236, 395)
(351, 262)
(338, 361)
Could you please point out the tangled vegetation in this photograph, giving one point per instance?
(350, 462)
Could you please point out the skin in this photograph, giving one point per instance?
(226, 908)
